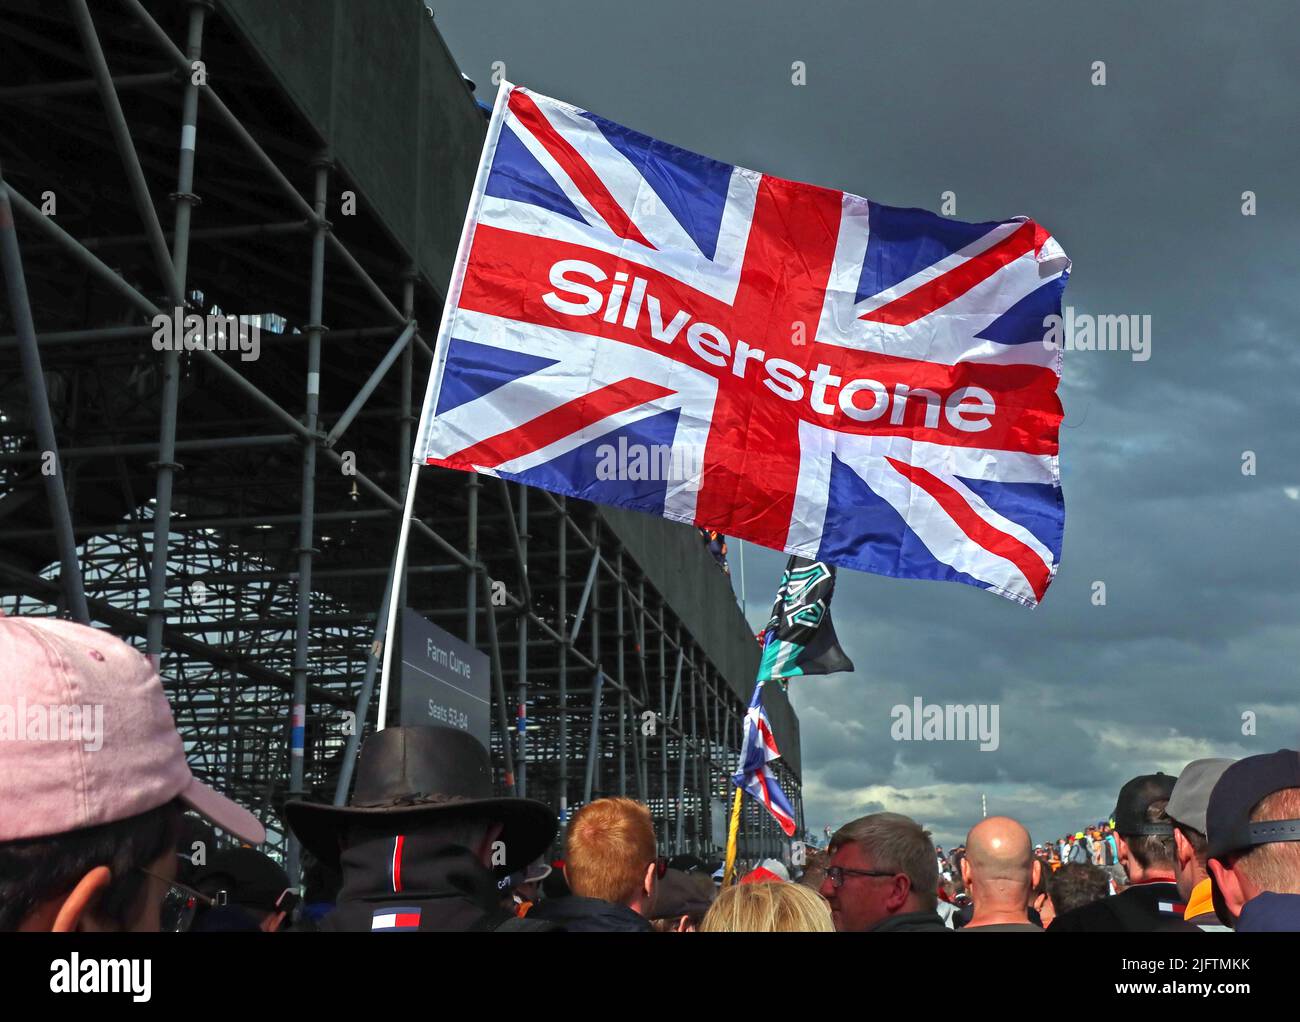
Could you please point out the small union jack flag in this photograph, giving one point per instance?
(845, 381)
(757, 751)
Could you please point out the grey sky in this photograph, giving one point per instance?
(1141, 181)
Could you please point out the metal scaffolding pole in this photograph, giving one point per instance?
(306, 528)
(681, 771)
(405, 448)
(50, 90)
(367, 691)
(622, 679)
(399, 346)
(638, 752)
(471, 548)
(714, 771)
(126, 150)
(499, 684)
(521, 718)
(595, 759)
(167, 464)
(586, 595)
(593, 742)
(643, 753)
(34, 377)
(562, 603)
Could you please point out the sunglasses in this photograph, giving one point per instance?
(181, 903)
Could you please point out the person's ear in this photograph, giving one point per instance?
(1036, 873)
(684, 925)
(77, 907)
(1183, 852)
(899, 889)
(1229, 885)
(965, 873)
(650, 873)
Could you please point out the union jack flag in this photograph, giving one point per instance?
(757, 750)
(820, 374)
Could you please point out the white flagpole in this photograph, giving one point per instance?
(435, 385)
(743, 609)
(403, 538)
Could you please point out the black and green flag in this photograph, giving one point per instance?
(800, 638)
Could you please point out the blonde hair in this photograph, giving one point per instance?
(608, 848)
(768, 907)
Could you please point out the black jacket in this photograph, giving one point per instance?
(911, 922)
(590, 915)
(1142, 908)
(440, 889)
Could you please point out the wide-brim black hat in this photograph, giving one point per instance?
(410, 775)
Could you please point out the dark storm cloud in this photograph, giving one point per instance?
(1141, 182)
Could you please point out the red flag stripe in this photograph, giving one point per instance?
(994, 540)
(556, 424)
(591, 186)
(949, 286)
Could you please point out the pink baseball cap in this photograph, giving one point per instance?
(87, 736)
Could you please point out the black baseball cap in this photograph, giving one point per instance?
(1238, 791)
(1135, 798)
(246, 876)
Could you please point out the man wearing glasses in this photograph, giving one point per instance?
(883, 876)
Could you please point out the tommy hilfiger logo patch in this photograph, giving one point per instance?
(392, 919)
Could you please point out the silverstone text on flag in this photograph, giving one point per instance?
(842, 380)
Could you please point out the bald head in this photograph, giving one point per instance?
(999, 849)
(999, 870)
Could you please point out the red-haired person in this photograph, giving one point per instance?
(611, 866)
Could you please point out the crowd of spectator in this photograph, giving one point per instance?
(109, 835)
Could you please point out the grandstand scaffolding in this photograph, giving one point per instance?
(305, 166)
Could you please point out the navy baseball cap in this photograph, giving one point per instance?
(1239, 790)
(1135, 798)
